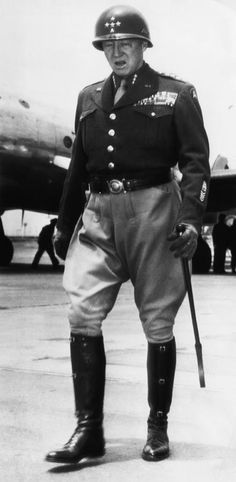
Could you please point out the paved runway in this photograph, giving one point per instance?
(36, 400)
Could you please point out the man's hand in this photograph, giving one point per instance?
(184, 241)
(61, 243)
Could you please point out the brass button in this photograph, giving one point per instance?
(110, 148)
(111, 165)
(112, 116)
(111, 132)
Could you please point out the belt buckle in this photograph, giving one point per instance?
(115, 186)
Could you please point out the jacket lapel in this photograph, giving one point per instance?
(104, 97)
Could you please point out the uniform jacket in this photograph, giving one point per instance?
(156, 124)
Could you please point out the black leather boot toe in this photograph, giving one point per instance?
(89, 443)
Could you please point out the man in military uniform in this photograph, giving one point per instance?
(131, 129)
(221, 242)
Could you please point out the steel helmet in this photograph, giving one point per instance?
(121, 22)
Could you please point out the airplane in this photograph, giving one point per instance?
(221, 199)
(35, 153)
(35, 150)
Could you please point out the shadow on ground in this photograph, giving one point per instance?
(123, 450)
(19, 268)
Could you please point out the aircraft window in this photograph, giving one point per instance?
(24, 103)
(67, 142)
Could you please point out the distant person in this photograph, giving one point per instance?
(220, 235)
(201, 262)
(45, 242)
(232, 245)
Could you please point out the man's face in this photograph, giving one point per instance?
(124, 56)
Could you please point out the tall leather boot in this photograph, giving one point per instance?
(161, 362)
(88, 367)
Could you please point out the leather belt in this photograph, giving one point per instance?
(116, 186)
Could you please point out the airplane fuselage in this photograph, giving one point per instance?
(31, 142)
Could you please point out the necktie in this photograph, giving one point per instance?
(120, 91)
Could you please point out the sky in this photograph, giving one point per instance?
(46, 54)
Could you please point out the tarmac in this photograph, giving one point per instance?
(36, 397)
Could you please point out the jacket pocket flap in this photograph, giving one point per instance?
(154, 111)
